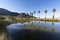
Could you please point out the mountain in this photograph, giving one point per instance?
(24, 15)
(4, 12)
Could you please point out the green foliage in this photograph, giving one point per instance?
(38, 11)
(34, 12)
(54, 10)
(45, 11)
(3, 25)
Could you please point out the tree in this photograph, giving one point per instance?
(34, 13)
(45, 14)
(31, 14)
(54, 10)
(39, 14)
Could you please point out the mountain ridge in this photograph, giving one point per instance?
(5, 12)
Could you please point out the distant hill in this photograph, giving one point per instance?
(5, 12)
(23, 15)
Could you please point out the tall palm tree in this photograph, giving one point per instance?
(54, 10)
(31, 14)
(45, 14)
(39, 14)
(34, 13)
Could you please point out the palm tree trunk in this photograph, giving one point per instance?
(45, 18)
(39, 16)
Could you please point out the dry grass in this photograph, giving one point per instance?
(2, 36)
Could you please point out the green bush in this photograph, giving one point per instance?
(3, 25)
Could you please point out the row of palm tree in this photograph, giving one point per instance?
(54, 10)
(38, 12)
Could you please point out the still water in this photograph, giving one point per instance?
(34, 30)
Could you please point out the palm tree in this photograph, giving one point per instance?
(54, 10)
(31, 14)
(39, 14)
(34, 13)
(45, 14)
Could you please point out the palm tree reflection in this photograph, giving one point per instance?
(53, 27)
(38, 26)
(32, 27)
(45, 28)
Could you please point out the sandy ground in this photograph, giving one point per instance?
(3, 36)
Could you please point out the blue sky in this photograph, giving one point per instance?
(28, 6)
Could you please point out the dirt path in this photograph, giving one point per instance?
(3, 36)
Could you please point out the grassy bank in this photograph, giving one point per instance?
(49, 20)
(3, 25)
(6, 22)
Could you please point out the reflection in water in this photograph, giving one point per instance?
(45, 28)
(38, 27)
(53, 27)
(53, 24)
(34, 31)
(32, 26)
